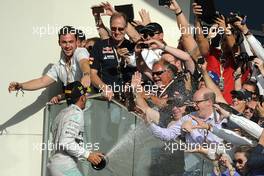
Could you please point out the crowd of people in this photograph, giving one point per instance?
(208, 90)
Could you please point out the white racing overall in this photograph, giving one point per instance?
(67, 131)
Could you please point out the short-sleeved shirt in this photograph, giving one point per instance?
(108, 64)
(67, 75)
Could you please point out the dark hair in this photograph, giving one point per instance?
(67, 30)
(80, 35)
(251, 83)
(244, 149)
(118, 15)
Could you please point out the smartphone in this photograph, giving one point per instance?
(127, 9)
(98, 10)
(209, 11)
(164, 2)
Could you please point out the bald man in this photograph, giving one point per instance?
(204, 99)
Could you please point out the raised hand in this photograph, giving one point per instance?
(242, 27)
(109, 9)
(221, 22)
(144, 15)
(136, 81)
(260, 64)
(197, 10)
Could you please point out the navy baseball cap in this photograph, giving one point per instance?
(152, 27)
(73, 91)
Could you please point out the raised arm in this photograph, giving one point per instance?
(211, 85)
(187, 39)
(202, 42)
(102, 30)
(185, 57)
(130, 30)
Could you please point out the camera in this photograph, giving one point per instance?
(233, 18)
(164, 2)
(98, 9)
(244, 57)
(201, 60)
(142, 45)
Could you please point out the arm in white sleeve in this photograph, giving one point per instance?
(256, 46)
(231, 136)
(260, 84)
(247, 125)
(68, 141)
(245, 47)
(166, 134)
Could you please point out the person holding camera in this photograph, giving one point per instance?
(108, 68)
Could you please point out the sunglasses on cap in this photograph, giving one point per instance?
(151, 34)
(239, 161)
(158, 73)
(117, 28)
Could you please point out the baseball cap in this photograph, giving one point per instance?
(73, 91)
(152, 27)
(241, 94)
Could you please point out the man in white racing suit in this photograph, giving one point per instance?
(67, 130)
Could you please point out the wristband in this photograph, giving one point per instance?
(177, 14)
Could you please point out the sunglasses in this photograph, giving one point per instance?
(117, 28)
(238, 98)
(158, 73)
(89, 48)
(250, 109)
(151, 34)
(239, 161)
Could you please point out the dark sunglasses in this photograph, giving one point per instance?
(250, 109)
(89, 48)
(237, 97)
(151, 34)
(239, 161)
(117, 28)
(158, 73)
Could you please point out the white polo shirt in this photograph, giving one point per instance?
(67, 75)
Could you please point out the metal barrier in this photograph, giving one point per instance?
(124, 138)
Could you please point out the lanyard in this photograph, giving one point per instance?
(68, 68)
